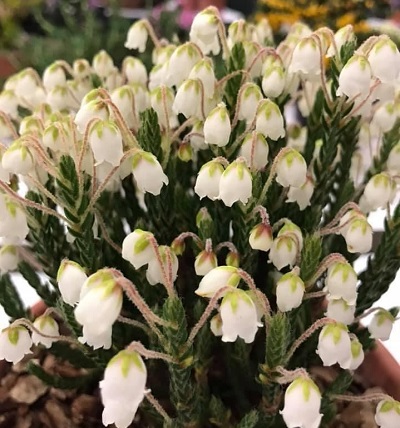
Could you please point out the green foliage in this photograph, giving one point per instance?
(236, 62)
(310, 256)
(10, 299)
(149, 135)
(249, 421)
(278, 340)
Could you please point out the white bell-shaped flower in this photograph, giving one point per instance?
(96, 340)
(208, 179)
(148, 173)
(302, 404)
(301, 195)
(342, 36)
(216, 325)
(15, 343)
(103, 64)
(290, 227)
(100, 302)
(306, 59)
(217, 126)
(70, 278)
(181, 63)
(105, 139)
(393, 161)
(46, 325)
(383, 53)
(205, 262)
(249, 97)
(123, 388)
(355, 78)
(381, 325)
(255, 150)
(137, 36)
(359, 236)
(297, 137)
(235, 184)
(291, 169)
(124, 99)
(204, 31)
(238, 31)
(95, 109)
(385, 117)
(134, 70)
(81, 68)
(239, 317)
(155, 272)
(380, 190)
(357, 354)
(269, 120)
(334, 345)
(261, 237)
(388, 414)
(9, 103)
(9, 258)
(213, 281)
(289, 292)
(17, 159)
(137, 249)
(341, 282)
(340, 311)
(204, 71)
(273, 81)
(262, 32)
(53, 75)
(196, 137)
(188, 99)
(346, 220)
(162, 99)
(60, 98)
(284, 251)
(13, 221)
(253, 58)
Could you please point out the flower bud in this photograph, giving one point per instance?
(70, 278)
(290, 227)
(9, 258)
(9, 103)
(249, 97)
(289, 292)
(341, 282)
(197, 138)
(155, 272)
(269, 120)
(334, 345)
(208, 179)
(188, 99)
(81, 68)
(306, 59)
(255, 150)
(239, 317)
(355, 78)
(213, 281)
(357, 354)
(217, 126)
(205, 262)
(273, 81)
(53, 76)
(15, 343)
(124, 99)
(137, 36)
(204, 71)
(301, 195)
(134, 70)
(261, 237)
(181, 63)
(380, 190)
(381, 325)
(284, 251)
(103, 64)
(359, 236)
(17, 159)
(106, 142)
(393, 162)
(297, 137)
(340, 311)
(385, 117)
(384, 58)
(95, 109)
(137, 248)
(123, 388)
(253, 58)
(204, 31)
(148, 173)
(235, 184)
(291, 169)
(178, 246)
(342, 36)
(48, 327)
(233, 259)
(302, 404)
(238, 31)
(263, 33)
(60, 98)
(185, 152)
(216, 325)
(388, 414)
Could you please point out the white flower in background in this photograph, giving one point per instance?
(15, 343)
(204, 71)
(213, 281)
(105, 139)
(95, 109)
(137, 249)
(205, 262)
(235, 184)
(197, 137)
(181, 63)
(158, 76)
(217, 126)
(261, 237)
(342, 36)
(306, 59)
(301, 195)
(383, 53)
(359, 236)
(249, 97)
(60, 98)
(385, 117)
(252, 58)
(123, 388)
(291, 169)
(270, 120)
(148, 173)
(284, 250)
(334, 345)
(341, 282)
(154, 273)
(9, 103)
(262, 32)
(31, 124)
(208, 179)
(188, 99)
(289, 292)
(124, 99)
(134, 70)
(380, 190)
(81, 68)
(137, 36)
(103, 64)
(162, 54)
(302, 404)
(13, 221)
(239, 317)
(46, 325)
(17, 159)
(355, 78)
(346, 220)
(273, 81)
(26, 84)
(357, 354)
(393, 162)
(308, 95)
(9, 258)
(255, 150)
(204, 31)
(297, 137)
(53, 75)
(70, 278)
(381, 325)
(96, 340)
(162, 99)
(141, 96)
(340, 311)
(216, 325)
(388, 414)
(238, 31)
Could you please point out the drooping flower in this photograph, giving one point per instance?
(357, 354)
(380, 190)
(235, 184)
(188, 99)
(289, 292)
(94, 109)
(13, 220)
(53, 75)
(46, 325)
(155, 274)
(106, 142)
(301, 195)
(137, 36)
(181, 63)
(204, 31)
(306, 59)
(148, 173)
(213, 281)
(70, 278)
(381, 325)
(359, 236)
(273, 81)
(342, 36)
(393, 162)
(261, 237)
(355, 78)
(136, 248)
(134, 70)
(17, 159)
(9, 258)
(96, 340)
(217, 126)
(205, 262)
(269, 120)
(103, 64)
(208, 179)
(204, 71)
(341, 282)
(15, 343)
(255, 150)
(334, 345)
(284, 250)
(340, 311)
(388, 413)
(385, 52)
(249, 97)
(291, 169)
